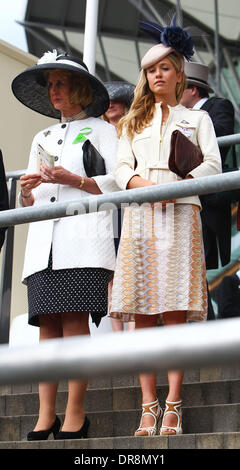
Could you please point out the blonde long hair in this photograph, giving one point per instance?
(142, 109)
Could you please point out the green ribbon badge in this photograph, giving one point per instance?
(81, 136)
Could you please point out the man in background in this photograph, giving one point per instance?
(228, 296)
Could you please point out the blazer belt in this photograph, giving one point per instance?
(157, 166)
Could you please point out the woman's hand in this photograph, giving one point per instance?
(56, 175)
(139, 182)
(59, 175)
(27, 183)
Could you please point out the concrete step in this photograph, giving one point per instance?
(217, 440)
(196, 419)
(211, 413)
(126, 398)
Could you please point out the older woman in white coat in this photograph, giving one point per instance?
(69, 261)
(160, 269)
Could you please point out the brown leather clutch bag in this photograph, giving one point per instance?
(184, 155)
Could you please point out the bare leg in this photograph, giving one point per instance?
(75, 324)
(117, 325)
(175, 377)
(131, 325)
(147, 381)
(50, 327)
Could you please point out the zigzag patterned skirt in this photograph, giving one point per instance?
(160, 263)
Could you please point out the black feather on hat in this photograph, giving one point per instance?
(170, 36)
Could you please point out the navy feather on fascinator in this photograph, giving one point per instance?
(170, 36)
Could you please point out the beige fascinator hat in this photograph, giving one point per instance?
(197, 74)
(153, 55)
(170, 38)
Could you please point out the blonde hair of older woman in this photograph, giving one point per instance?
(142, 109)
(81, 90)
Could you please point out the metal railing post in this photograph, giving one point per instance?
(179, 347)
(7, 265)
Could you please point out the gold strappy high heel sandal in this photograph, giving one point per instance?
(173, 407)
(153, 409)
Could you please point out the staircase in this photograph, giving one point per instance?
(211, 413)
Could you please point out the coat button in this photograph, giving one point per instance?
(63, 126)
(55, 159)
(60, 142)
(53, 199)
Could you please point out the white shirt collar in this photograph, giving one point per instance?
(200, 103)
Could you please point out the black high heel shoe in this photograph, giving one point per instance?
(81, 434)
(43, 435)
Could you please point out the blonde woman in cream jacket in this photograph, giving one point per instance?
(160, 271)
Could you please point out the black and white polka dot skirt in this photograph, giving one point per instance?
(68, 290)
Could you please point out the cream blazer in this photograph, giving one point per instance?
(83, 240)
(151, 148)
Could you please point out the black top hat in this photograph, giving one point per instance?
(121, 91)
(29, 87)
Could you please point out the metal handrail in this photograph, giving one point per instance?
(15, 174)
(103, 202)
(165, 348)
(225, 140)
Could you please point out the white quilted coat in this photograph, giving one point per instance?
(78, 241)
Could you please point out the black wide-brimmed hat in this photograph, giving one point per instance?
(121, 91)
(29, 87)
